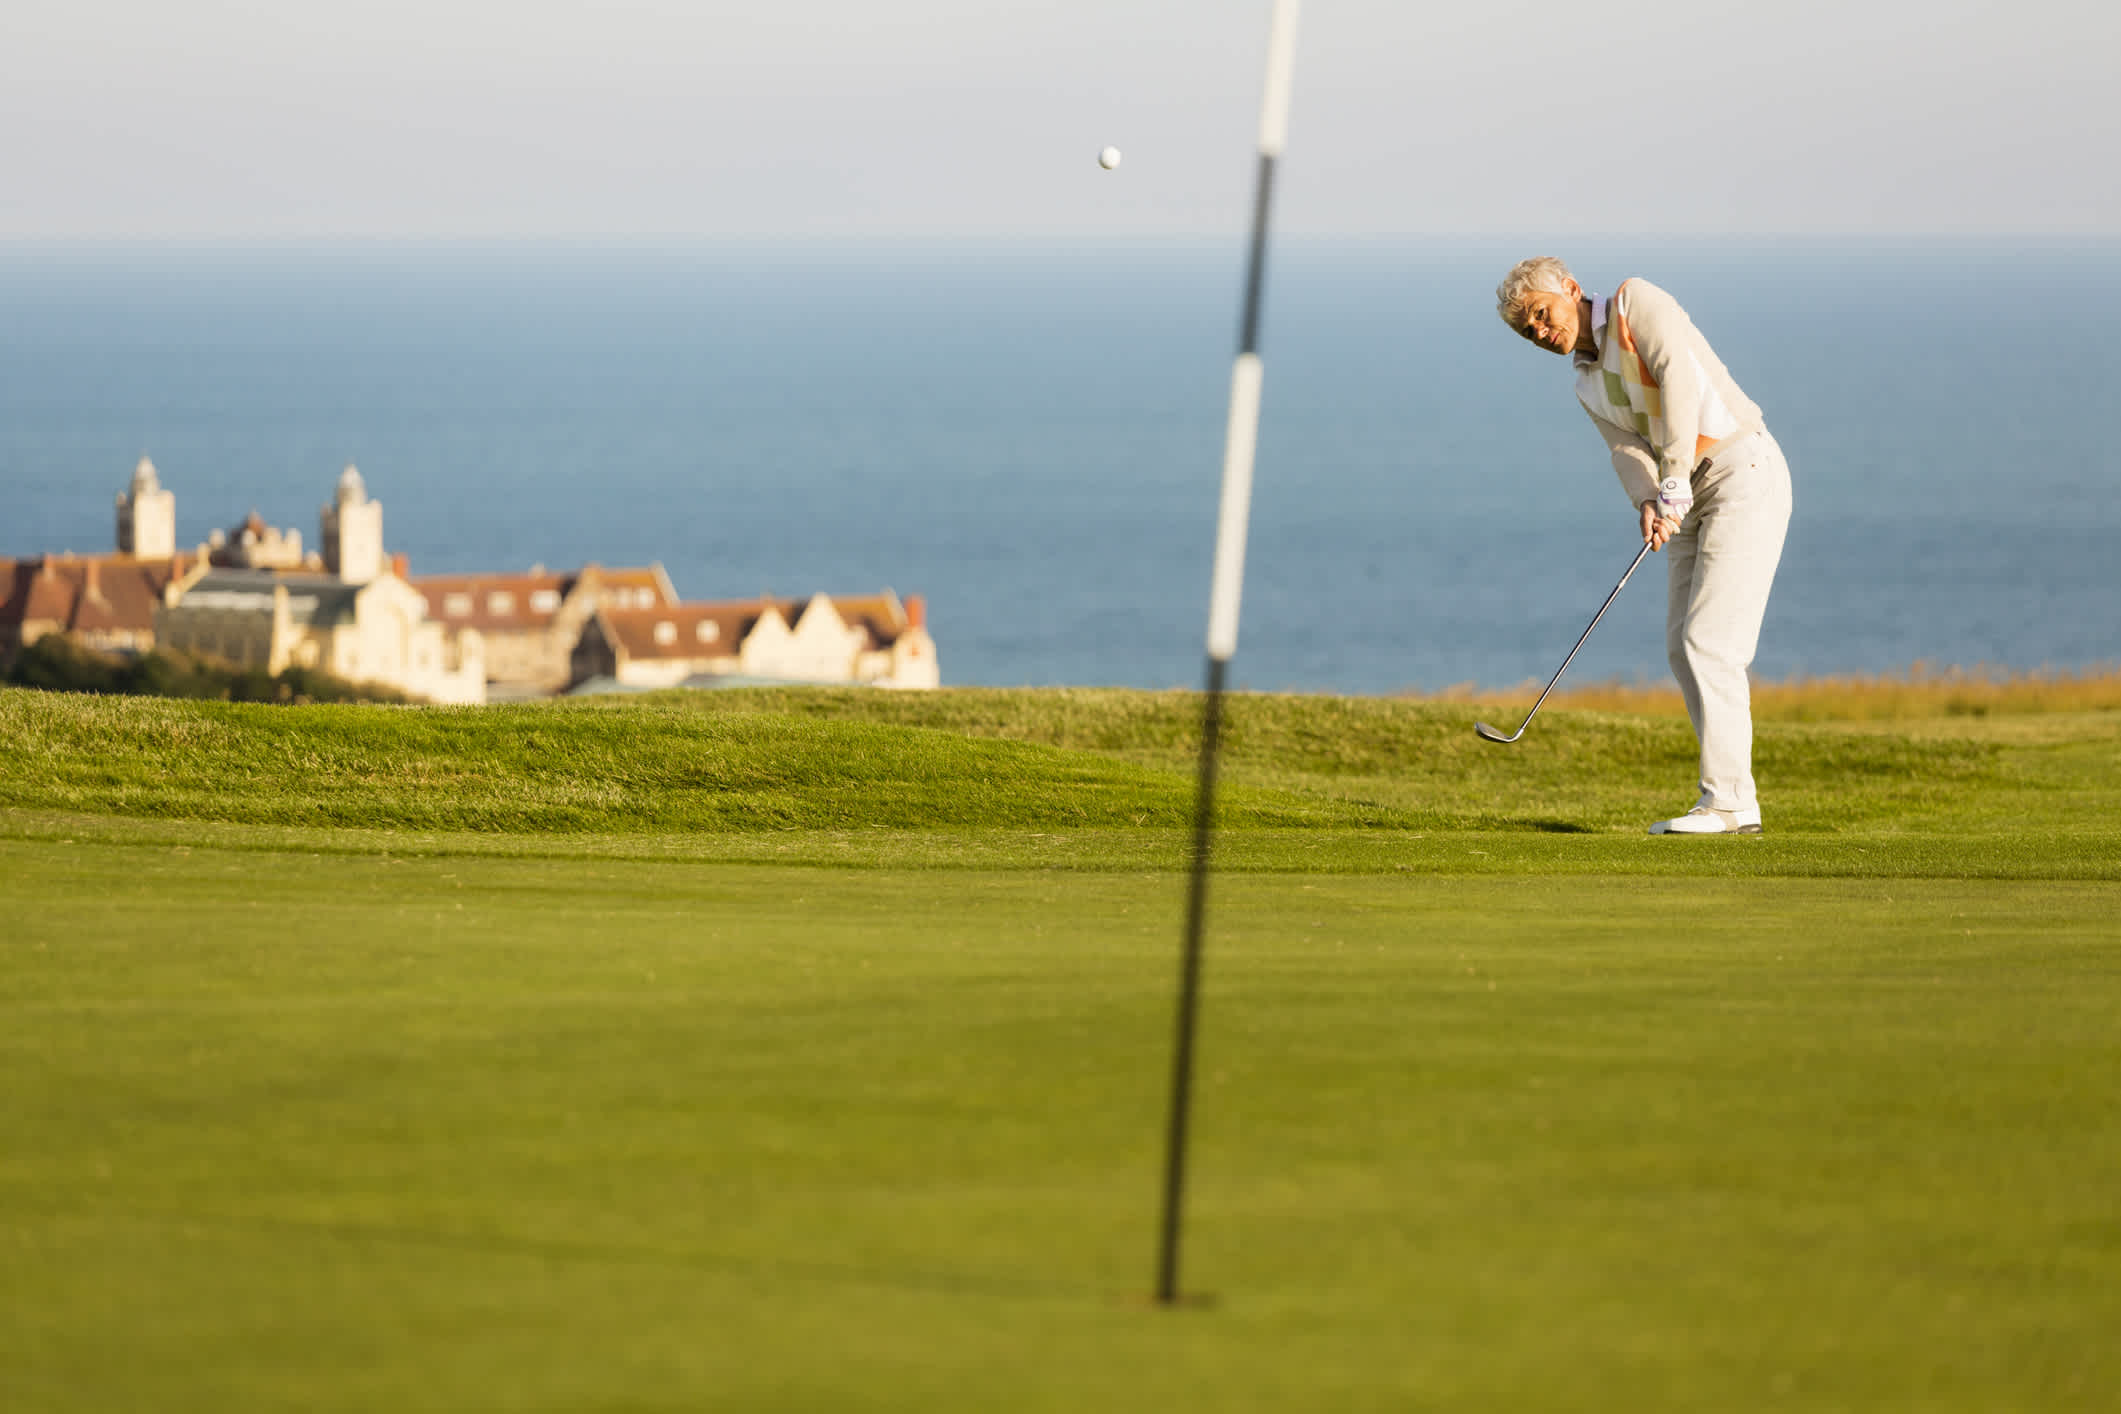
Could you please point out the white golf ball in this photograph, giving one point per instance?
(1108, 159)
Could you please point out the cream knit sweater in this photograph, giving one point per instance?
(1657, 391)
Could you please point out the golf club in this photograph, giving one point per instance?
(1489, 733)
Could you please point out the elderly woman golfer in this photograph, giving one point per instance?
(1708, 483)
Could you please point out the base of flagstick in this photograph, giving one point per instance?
(1167, 1289)
(1184, 1301)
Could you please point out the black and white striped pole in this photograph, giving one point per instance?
(1228, 581)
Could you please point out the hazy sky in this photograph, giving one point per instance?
(827, 118)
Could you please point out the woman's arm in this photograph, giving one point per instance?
(1634, 462)
(1664, 338)
(1636, 466)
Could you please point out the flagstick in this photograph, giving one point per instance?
(1240, 441)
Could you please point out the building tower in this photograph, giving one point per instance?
(353, 531)
(147, 516)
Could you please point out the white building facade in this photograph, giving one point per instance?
(357, 619)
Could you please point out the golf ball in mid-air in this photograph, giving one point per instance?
(1108, 159)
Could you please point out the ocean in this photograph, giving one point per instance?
(1030, 437)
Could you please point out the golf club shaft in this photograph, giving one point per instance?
(1632, 567)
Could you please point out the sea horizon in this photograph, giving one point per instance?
(1028, 434)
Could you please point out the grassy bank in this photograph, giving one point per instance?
(743, 762)
(1922, 691)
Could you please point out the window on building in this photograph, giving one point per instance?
(666, 632)
(544, 601)
(500, 603)
(456, 606)
(707, 631)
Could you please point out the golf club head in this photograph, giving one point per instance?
(1489, 733)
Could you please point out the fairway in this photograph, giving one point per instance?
(328, 1089)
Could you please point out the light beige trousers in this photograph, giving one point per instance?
(1722, 566)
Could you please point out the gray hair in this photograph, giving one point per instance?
(1541, 272)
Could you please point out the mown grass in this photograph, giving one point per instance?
(383, 1131)
(806, 1050)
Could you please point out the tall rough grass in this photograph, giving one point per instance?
(1923, 690)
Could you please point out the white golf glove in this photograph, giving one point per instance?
(1675, 497)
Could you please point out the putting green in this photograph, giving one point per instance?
(367, 1119)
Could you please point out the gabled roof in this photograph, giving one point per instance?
(92, 592)
(37, 592)
(879, 616)
(884, 609)
(883, 615)
(634, 630)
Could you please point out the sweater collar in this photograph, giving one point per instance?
(1599, 305)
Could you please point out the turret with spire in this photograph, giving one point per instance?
(353, 531)
(147, 516)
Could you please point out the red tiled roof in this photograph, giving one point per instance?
(882, 608)
(650, 577)
(635, 629)
(436, 589)
(44, 595)
(85, 592)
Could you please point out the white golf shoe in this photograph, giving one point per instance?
(1703, 820)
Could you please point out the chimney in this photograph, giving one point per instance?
(401, 565)
(916, 611)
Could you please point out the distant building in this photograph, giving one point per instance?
(252, 597)
(374, 632)
(258, 602)
(875, 639)
(251, 544)
(105, 602)
(531, 621)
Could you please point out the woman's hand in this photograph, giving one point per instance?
(1656, 529)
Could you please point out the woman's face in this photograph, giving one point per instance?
(1553, 318)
